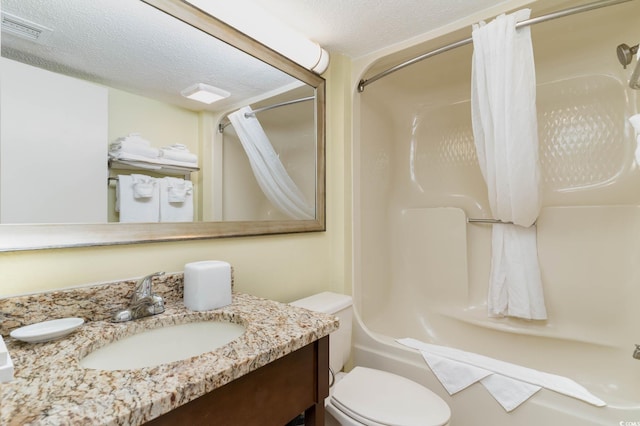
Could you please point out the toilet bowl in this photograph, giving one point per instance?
(366, 396)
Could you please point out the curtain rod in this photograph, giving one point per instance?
(255, 111)
(560, 14)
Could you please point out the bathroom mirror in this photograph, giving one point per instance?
(156, 48)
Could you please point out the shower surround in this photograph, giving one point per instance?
(421, 270)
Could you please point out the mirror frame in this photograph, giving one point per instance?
(17, 237)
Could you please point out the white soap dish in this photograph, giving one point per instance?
(46, 330)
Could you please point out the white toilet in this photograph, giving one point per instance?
(366, 396)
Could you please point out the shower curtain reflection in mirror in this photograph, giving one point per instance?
(272, 177)
(269, 165)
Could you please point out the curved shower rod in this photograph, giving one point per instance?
(221, 126)
(560, 14)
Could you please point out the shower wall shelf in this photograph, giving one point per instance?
(164, 169)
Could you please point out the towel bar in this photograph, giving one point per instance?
(222, 126)
(491, 221)
(471, 220)
(554, 15)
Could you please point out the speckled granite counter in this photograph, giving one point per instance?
(52, 388)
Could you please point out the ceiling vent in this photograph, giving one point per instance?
(28, 30)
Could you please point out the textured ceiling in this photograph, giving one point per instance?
(358, 27)
(131, 46)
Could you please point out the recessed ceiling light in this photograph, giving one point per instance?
(204, 93)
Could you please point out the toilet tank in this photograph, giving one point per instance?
(340, 340)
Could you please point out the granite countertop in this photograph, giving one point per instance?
(51, 387)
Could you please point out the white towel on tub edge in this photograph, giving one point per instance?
(508, 383)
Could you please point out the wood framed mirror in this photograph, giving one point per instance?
(156, 47)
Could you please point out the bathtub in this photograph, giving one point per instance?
(475, 406)
(421, 270)
(589, 340)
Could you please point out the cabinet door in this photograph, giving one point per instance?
(269, 396)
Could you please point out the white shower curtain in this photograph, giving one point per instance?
(503, 111)
(271, 175)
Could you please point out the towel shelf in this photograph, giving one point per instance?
(164, 169)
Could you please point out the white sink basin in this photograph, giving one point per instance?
(162, 345)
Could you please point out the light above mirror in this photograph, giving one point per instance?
(268, 30)
(252, 82)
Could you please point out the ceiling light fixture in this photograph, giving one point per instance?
(204, 93)
(23, 28)
(258, 24)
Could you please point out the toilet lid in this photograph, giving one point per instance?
(376, 397)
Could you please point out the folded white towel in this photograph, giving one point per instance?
(177, 147)
(6, 365)
(123, 148)
(132, 209)
(144, 162)
(178, 155)
(176, 200)
(508, 392)
(117, 150)
(134, 144)
(178, 189)
(509, 384)
(143, 186)
(135, 138)
(454, 376)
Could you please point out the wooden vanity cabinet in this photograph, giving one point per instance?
(271, 395)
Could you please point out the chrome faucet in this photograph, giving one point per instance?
(144, 301)
(636, 352)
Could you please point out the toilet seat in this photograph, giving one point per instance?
(378, 398)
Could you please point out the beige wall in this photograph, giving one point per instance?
(281, 267)
(162, 125)
(339, 167)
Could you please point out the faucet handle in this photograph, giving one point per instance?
(143, 287)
